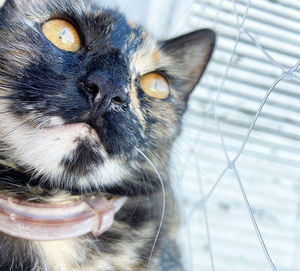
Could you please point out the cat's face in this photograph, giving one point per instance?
(76, 117)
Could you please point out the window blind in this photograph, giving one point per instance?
(256, 54)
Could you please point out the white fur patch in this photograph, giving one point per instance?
(62, 255)
(43, 150)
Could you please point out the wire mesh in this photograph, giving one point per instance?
(239, 179)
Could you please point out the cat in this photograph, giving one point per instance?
(90, 104)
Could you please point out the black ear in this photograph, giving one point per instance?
(189, 55)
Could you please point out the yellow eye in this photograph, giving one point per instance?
(62, 34)
(155, 85)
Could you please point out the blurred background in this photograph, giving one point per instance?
(236, 166)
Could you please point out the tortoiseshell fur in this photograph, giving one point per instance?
(43, 158)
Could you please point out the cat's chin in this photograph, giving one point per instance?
(105, 178)
(24, 185)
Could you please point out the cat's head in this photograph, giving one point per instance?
(83, 91)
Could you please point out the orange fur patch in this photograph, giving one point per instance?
(156, 57)
(135, 104)
(131, 23)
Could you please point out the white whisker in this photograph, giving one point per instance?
(163, 205)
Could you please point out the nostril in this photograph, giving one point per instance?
(89, 88)
(93, 84)
(93, 89)
(117, 100)
(120, 100)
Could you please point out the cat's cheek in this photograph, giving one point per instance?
(42, 150)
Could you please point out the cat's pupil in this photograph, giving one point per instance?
(66, 36)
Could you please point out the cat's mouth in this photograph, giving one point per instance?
(73, 132)
(76, 130)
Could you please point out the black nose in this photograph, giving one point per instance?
(104, 92)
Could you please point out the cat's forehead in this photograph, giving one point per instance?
(93, 19)
(100, 27)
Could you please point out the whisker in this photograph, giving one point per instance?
(147, 192)
(19, 126)
(163, 209)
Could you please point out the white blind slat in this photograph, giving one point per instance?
(269, 165)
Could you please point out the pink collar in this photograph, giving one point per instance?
(54, 221)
